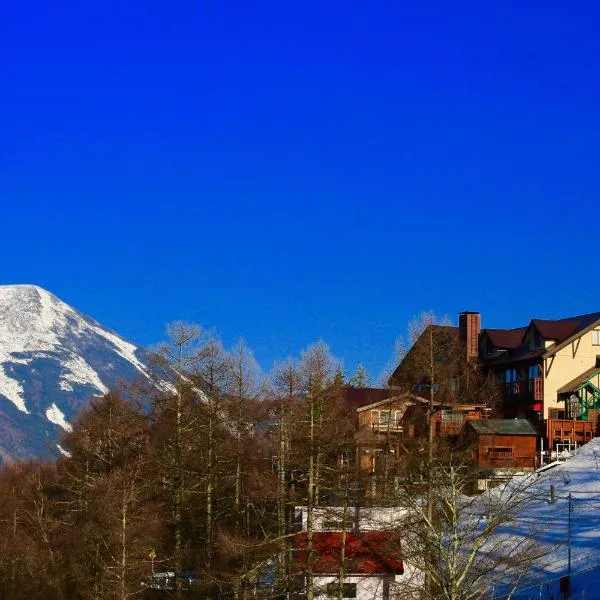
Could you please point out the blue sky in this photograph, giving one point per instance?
(285, 172)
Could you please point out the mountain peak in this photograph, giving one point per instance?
(54, 358)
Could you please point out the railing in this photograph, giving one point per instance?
(525, 389)
(569, 430)
(387, 427)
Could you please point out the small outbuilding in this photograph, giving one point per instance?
(503, 443)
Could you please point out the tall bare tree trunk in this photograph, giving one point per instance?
(430, 436)
(310, 504)
(123, 565)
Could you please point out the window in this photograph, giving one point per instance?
(500, 452)
(452, 416)
(349, 590)
(425, 387)
(384, 418)
(596, 338)
(538, 341)
(535, 372)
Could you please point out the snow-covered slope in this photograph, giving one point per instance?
(53, 359)
(549, 523)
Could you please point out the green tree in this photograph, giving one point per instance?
(360, 379)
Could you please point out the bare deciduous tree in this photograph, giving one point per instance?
(464, 547)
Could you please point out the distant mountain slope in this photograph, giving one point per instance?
(53, 359)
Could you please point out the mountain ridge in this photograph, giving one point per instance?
(53, 359)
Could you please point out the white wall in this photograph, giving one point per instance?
(373, 518)
(372, 587)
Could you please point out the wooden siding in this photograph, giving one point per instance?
(506, 451)
(569, 431)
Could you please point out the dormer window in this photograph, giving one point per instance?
(538, 340)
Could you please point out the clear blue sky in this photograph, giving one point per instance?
(286, 171)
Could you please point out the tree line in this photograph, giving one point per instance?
(195, 470)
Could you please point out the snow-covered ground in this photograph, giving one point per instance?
(548, 523)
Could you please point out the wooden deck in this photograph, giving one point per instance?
(569, 430)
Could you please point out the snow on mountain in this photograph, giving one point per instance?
(52, 360)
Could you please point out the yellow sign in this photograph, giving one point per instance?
(152, 554)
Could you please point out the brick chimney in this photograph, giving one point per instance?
(469, 326)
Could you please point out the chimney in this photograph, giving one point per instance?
(469, 326)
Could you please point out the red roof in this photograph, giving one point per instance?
(366, 553)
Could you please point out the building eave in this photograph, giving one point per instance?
(557, 347)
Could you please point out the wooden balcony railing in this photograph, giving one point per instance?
(569, 430)
(527, 390)
(387, 427)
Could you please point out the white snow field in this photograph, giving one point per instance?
(548, 523)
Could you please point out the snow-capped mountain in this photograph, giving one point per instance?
(53, 359)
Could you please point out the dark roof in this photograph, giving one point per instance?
(446, 335)
(365, 553)
(561, 329)
(523, 353)
(353, 398)
(574, 385)
(506, 338)
(503, 427)
(556, 330)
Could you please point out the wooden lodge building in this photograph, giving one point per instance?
(547, 371)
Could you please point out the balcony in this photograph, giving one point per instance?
(525, 391)
(569, 431)
(392, 427)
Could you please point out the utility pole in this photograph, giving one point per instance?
(565, 581)
(569, 537)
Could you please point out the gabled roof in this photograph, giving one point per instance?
(502, 427)
(581, 324)
(353, 398)
(559, 330)
(574, 385)
(505, 339)
(407, 396)
(446, 335)
(365, 553)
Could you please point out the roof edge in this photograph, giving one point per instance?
(557, 347)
